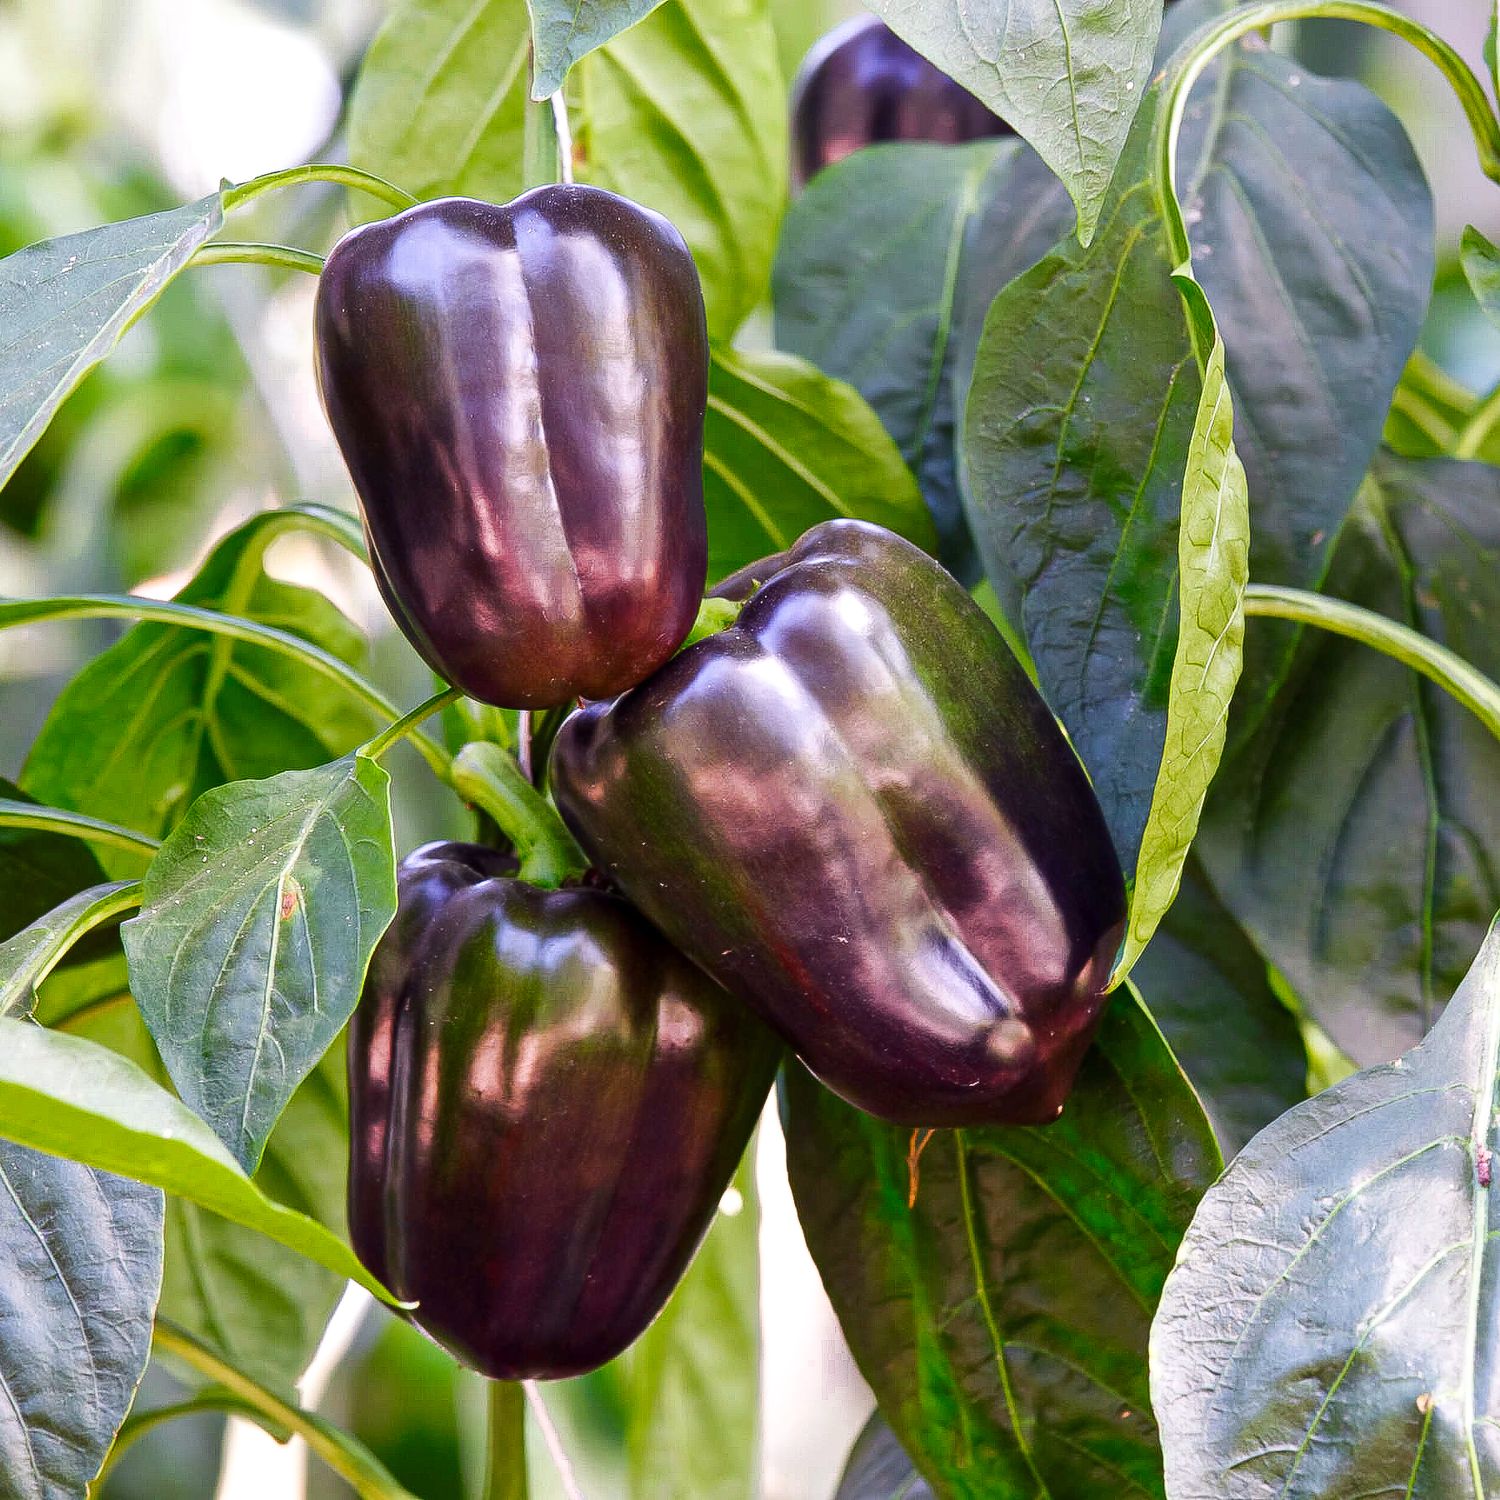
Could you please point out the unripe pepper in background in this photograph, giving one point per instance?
(862, 84)
(546, 1105)
(518, 391)
(854, 810)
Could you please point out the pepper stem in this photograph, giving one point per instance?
(541, 151)
(505, 1446)
(489, 779)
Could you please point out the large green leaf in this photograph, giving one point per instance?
(259, 918)
(1357, 836)
(1329, 1332)
(785, 448)
(1081, 412)
(28, 957)
(1067, 74)
(684, 113)
(68, 1096)
(1003, 1319)
(65, 303)
(693, 1379)
(253, 1301)
(168, 712)
(865, 285)
(565, 30)
(80, 1268)
(1208, 989)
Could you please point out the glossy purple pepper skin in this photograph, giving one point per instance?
(518, 391)
(854, 810)
(546, 1105)
(861, 84)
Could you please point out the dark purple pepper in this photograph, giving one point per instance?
(854, 810)
(518, 391)
(546, 1105)
(862, 84)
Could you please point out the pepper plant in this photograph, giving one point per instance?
(1141, 369)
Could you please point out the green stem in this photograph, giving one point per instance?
(404, 726)
(249, 253)
(171, 612)
(486, 777)
(505, 1445)
(15, 814)
(366, 182)
(138, 1424)
(1250, 18)
(540, 157)
(1477, 426)
(1450, 671)
(345, 1455)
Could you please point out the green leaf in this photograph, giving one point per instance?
(1066, 74)
(28, 957)
(693, 1378)
(64, 304)
(260, 915)
(785, 448)
(39, 870)
(1481, 262)
(80, 1268)
(1492, 46)
(254, 1302)
(440, 103)
(686, 113)
(1357, 835)
(566, 30)
(1207, 988)
(168, 712)
(865, 285)
(879, 1468)
(1213, 566)
(1076, 436)
(70, 1097)
(1002, 1321)
(1329, 1329)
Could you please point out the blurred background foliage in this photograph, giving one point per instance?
(208, 413)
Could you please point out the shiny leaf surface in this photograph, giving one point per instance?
(260, 915)
(1003, 1319)
(1329, 1329)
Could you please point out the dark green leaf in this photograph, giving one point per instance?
(879, 1468)
(686, 113)
(566, 30)
(168, 712)
(260, 915)
(1208, 989)
(67, 1096)
(28, 957)
(1330, 1328)
(1067, 74)
(1482, 269)
(866, 280)
(1003, 1320)
(39, 870)
(1085, 390)
(80, 1269)
(693, 1378)
(785, 448)
(64, 304)
(1357, 836)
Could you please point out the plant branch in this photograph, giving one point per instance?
(172, 612)
(505, 1443)
(345, 1455)
(1450, 671)
(249, 253)
(138, 1424)
(488, 778)
(404, 727)
(15, 814)
(336, 172)
(1477, 426)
